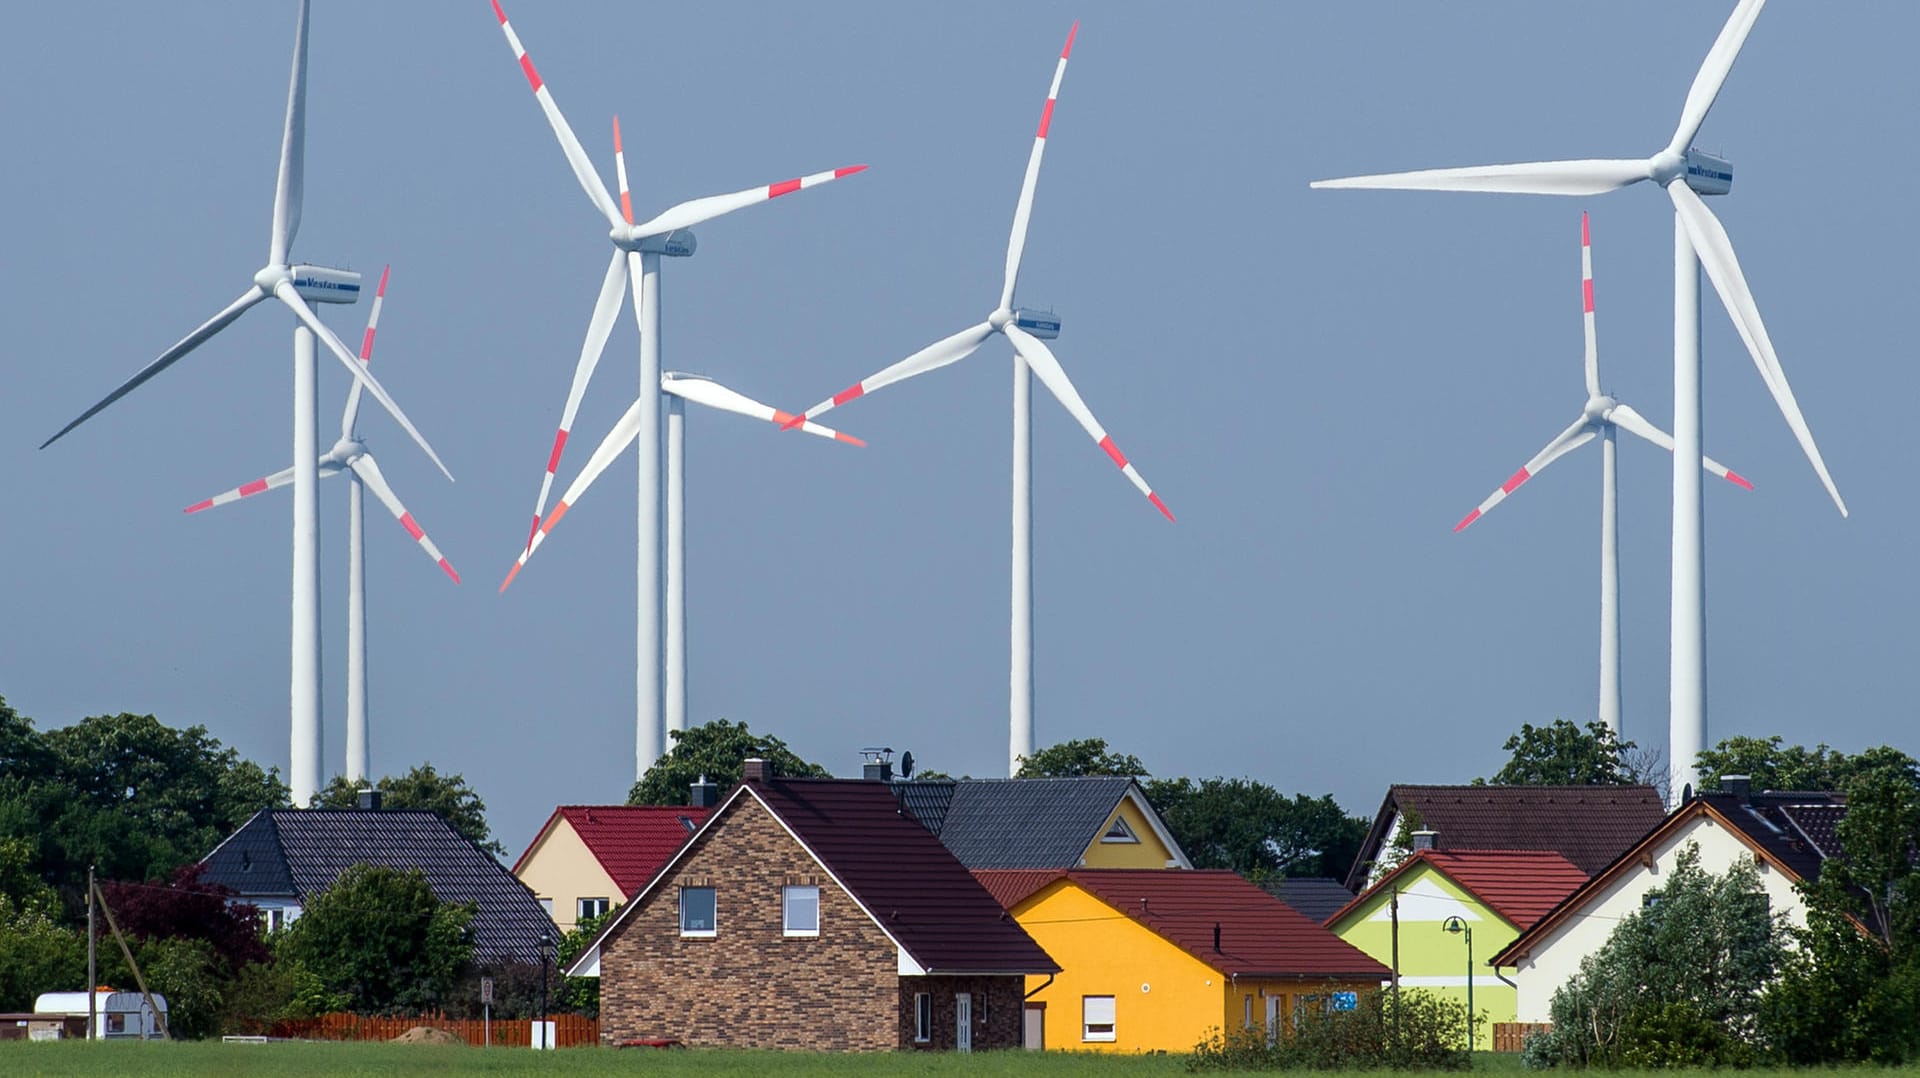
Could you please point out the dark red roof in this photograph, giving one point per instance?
(1259, 935)
(630, 841)
(917, 890)
(1587, 825)
(1519, 885)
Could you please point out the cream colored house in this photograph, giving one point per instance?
(588, 859)
(1785, 835)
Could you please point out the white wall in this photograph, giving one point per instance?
(1554, 960)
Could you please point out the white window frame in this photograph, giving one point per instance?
(922, 1017)
(1124, 832)
(580, 908)
(699, 933)
(786, 910)
(1093, 1008)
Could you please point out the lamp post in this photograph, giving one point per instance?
(1459, 926)
(546, 944)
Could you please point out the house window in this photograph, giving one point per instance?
(1096, 1018)
(1246, 1019)
(800, 910)
(922, 1017)
(1119, 832)
(588, 907)
(696, 911)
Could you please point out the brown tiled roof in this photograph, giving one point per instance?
(630, 841)
(1587, 825)
(1258, 934)
(919, 893)
(1518, 885)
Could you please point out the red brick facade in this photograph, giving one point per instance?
(750, 985)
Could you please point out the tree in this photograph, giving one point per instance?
(447, 796)
(1850, 992)
(184, 908)
(1563, 754)
(1679, 981)
(380, 940)
(581, 995)
(1254, 829)
(714, 751)
(1772, 764)
(37, 954)
(1073, 759)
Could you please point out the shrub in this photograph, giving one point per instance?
(1422, 1035)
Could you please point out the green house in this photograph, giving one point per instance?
(1450, 912)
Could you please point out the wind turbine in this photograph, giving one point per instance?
(1686, 173)
(636, 259)
(1024, 329)
(351, 456)
(679, 388)
(293, 285)
(1602, 416)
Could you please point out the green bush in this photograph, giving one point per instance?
(1416, 1031)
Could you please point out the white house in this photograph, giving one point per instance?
(1784, 835)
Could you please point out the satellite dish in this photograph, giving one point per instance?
(906, 765)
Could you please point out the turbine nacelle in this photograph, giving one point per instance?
(1708, 174)
(1600, 407)
(321, 284)
(674, 243)
(345, 451)
(1042, 324)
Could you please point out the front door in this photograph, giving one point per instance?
(963, 1022)
(1273, 1019)
(1033, 1035)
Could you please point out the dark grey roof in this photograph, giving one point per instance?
(1314, 897)
(1587, 825)
(1779, 821)
(1016, 823)
(297, 853)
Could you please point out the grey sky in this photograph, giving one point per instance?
(1319, 383)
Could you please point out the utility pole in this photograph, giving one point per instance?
(1393, 906)
(93, 972)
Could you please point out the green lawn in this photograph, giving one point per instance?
(298, 1060)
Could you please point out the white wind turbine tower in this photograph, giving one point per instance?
(636, 258)
(351, 456)
(295, 286)
(1603, 416)
(1023, 328)
(679, 388)
(1686, 173)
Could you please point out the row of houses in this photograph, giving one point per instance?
(880, 913)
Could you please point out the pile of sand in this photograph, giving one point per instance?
(428, 1035)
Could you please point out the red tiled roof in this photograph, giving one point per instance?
(1587, 825)
(1259, 934)
(918, 891)
(1519, 885)
(630, 841)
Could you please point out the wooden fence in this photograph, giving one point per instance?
(1512, 1036)
(569, 1030)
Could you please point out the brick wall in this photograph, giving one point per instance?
(749, 986)
(997, 1007)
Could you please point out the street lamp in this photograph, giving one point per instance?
(1459, 926)
(546, 943)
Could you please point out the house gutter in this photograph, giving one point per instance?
(1042, 988)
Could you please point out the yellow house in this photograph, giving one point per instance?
(588, 859)
(1094, 821)
(1155, 961)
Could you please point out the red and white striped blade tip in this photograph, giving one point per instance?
(1738, 480)
(1154, 498)
(511, 573)
(1466, 520)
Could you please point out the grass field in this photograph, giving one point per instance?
(367, 1060)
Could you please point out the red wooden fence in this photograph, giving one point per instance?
(569, 1030)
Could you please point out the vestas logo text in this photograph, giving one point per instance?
(1712, 174)
(333, 286)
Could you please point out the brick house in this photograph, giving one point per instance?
(813, 914)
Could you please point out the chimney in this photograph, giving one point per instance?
(705, 794)
(369, 799)
(755, 770)
(1740, 786)
(1426, 840)
(878, 766)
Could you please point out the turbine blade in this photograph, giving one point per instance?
(1586, 290)
(244, 490)
(617, 440)
(352, 415)
(1023, 209)
(288, 189)
(932, 357)
(1575, 436)
(583, 170)
(612, 289)
(1716, 255)
(167, 358)
(285, 291)
(690, 213)
(1713, 73)
(714, 395)
(368, 471)
(620, 172)
(1624, 417)
(1588, 177)
(1046, 368)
